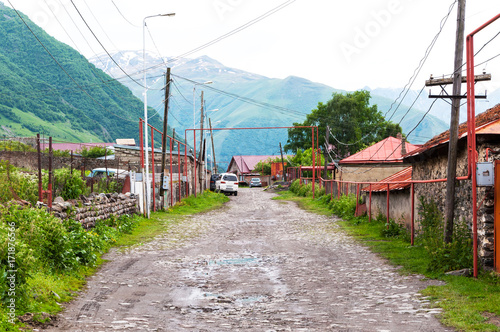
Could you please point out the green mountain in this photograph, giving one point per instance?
(71, 101)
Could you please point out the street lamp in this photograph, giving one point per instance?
(146, 178)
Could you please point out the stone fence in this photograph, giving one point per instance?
(91, 209)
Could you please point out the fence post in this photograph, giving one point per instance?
(39, 152)
(388, 199)
(370, 205)
(412, 213)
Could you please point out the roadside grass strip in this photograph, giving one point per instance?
(45, 262)
(468, 304)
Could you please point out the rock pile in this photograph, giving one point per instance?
(88, 210)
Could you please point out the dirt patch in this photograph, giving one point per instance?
(492, 318)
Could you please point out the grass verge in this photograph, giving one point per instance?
(45, 288)
(468, 304)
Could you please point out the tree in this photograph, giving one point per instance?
(354, 124)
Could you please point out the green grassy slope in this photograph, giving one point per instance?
(38, 96)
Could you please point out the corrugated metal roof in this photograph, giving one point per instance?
(73, 146)
(386, 151)
(246, 164)
(403, 177)
(487, 122)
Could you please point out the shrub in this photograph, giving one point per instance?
(345, 207)
(67, 185)
(444, 256)
(16, 184)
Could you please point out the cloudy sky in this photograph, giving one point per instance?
(344, 44)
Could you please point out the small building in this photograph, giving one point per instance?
(244, 166)
(376, 162)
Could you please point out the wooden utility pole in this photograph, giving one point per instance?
(454, 121)
(213, 147)
(202, 150)
(282, 163)
(165, 127)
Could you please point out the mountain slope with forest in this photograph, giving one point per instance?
(37, 96)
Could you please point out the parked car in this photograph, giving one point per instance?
(227, 183)
(255, 182)
(112, 172)
(213, 179)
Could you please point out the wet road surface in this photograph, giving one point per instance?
(254, 265)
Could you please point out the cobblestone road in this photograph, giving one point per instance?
(254, 265)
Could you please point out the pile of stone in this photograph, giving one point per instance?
(89, 210)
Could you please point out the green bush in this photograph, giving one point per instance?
(295, 186)
(305, 190)
(444, 256)
(16, 184)
(345, 207)
(67, 185)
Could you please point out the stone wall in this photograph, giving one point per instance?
(29, 160)
(90, 210)
(435, 167)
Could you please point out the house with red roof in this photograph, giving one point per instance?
(244, 166)
(376, 162)
(430, 162)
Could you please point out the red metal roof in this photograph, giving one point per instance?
(73, 146)
(386, 151)
(403, 177)
(246, 164)
(487, 122)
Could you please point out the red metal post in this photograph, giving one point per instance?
(153, 166)
(49, 188)
(39, 152)
(370, 206)
(357, 200)
(194, 156)
(388, 199)
(313, 162)
(300, 174)
(331, 191)
(412, 213)
(171, 177)
(471, 124)
(179, 170)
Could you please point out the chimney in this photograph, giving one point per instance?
(403, 144)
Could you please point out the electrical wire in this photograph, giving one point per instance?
(64, 70)
(421, 63)
(104, 48)
(119, 11)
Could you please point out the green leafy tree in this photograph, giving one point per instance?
(353, 122)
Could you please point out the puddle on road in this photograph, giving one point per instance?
(234, 261)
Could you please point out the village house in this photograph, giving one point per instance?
(376, 162)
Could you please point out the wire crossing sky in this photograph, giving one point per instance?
(346, 45)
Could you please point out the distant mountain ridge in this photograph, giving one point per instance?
(297, 95)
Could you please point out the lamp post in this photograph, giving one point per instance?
(146, 178)
(206, 117)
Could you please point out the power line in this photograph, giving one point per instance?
(62, 68)
(421, 63)
(119, 11)
(104, 48)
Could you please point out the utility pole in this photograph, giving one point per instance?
(456, 97)
(165, 127)
(282, 163)
(213, 147)
(454, 121)
(202, 151)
